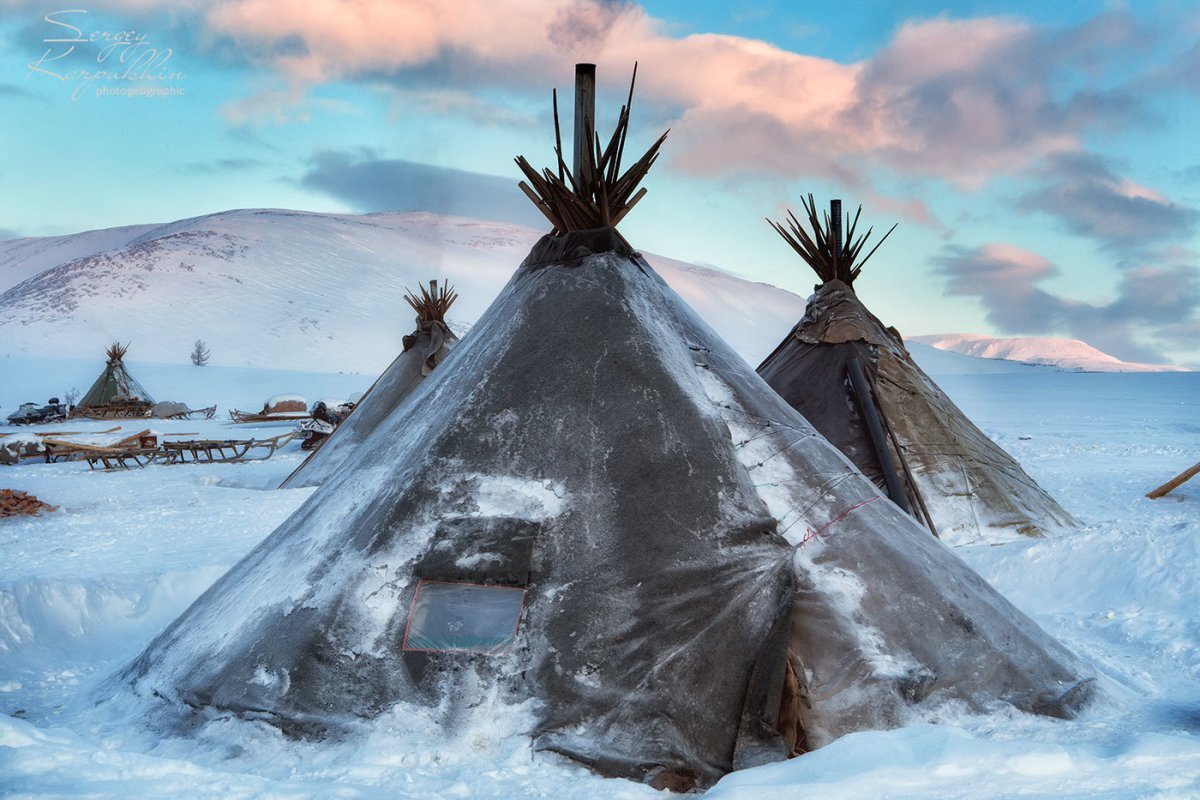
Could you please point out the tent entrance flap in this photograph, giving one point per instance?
(463, 617)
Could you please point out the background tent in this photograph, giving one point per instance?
(115, 384)
(426, 347)
(855, 381)
(597, 505)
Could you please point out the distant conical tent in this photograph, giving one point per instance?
(855, 381)
(115, 384)
(426, 347)
(597, 506)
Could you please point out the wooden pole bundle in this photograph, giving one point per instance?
(821, 244)
(433, 303)
(116, 351)
(594, 193)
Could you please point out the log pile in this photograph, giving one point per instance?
(823, 248)
(14, 503)
(600, 195)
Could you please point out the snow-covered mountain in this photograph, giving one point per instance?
(1069, 354)
(298, 290)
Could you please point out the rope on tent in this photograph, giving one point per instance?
(822, 490)
(810, 534)
(787, 446)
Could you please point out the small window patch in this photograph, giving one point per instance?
(463, 617)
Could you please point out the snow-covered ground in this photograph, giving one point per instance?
(86, 587)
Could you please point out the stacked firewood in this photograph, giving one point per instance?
(433, 303)
(21, 504)
(823, 249)
(601, 195)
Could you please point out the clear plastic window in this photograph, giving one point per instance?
(464, 617)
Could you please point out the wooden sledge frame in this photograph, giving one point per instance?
(220, 451)
(243, 417)
(128, 455)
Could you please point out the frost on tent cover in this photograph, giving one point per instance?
(706, 583)
(854, 380)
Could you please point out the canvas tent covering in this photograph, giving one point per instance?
(426, 347)
(972, 489)
(115, 384)
(596, 447)
(596, 510)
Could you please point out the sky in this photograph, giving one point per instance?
(1039, 158)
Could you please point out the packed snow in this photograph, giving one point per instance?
(83, 589)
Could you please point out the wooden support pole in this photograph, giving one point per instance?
(1175, 482)
(835, 232)
(585, 120)
(870, 416)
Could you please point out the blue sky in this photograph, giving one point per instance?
(1038, 157)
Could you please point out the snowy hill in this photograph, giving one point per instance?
(1069, 354)
(937, 362)
(297, 290)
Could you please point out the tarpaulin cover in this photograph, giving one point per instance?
(594, 442)
(975, 490)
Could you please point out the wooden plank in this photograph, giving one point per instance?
(1175, 482)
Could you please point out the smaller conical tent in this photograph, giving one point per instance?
(855, 381)
(426, 347)
(115, 384)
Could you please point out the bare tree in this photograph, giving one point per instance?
(200, 353)
(70, 397)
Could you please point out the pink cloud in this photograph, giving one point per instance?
(960, 100)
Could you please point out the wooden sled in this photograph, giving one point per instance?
(218, 451)
(137, 450)
(242, 417)
(129, 410)
(98, 456)
(191, 413)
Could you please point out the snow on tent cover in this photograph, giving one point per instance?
(855, 381)
(427, 346)
(654, 548)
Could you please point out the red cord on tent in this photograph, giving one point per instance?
(811, 534)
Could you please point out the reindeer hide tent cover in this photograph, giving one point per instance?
(973, 489)
(115, 384)
(612, 503)
(424, 349)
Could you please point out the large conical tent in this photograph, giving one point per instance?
(856, 382)
(115, 384)
(426, 347)
(598, 507)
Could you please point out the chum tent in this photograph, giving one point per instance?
(115, 385)
(855, 381)
(596, 505)
(426, 347)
